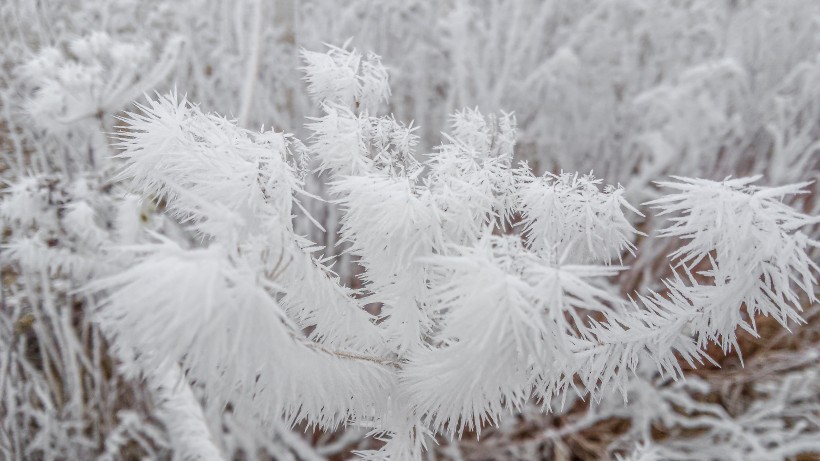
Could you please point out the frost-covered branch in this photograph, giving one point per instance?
(470, 324)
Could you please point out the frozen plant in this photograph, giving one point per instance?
(490, 284)
(62, 397)
(634, 89)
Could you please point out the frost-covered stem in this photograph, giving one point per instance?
(303, 449)
(347, 354)
(253, 64)
(351, 435)
(184, 419)
(19, 165)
